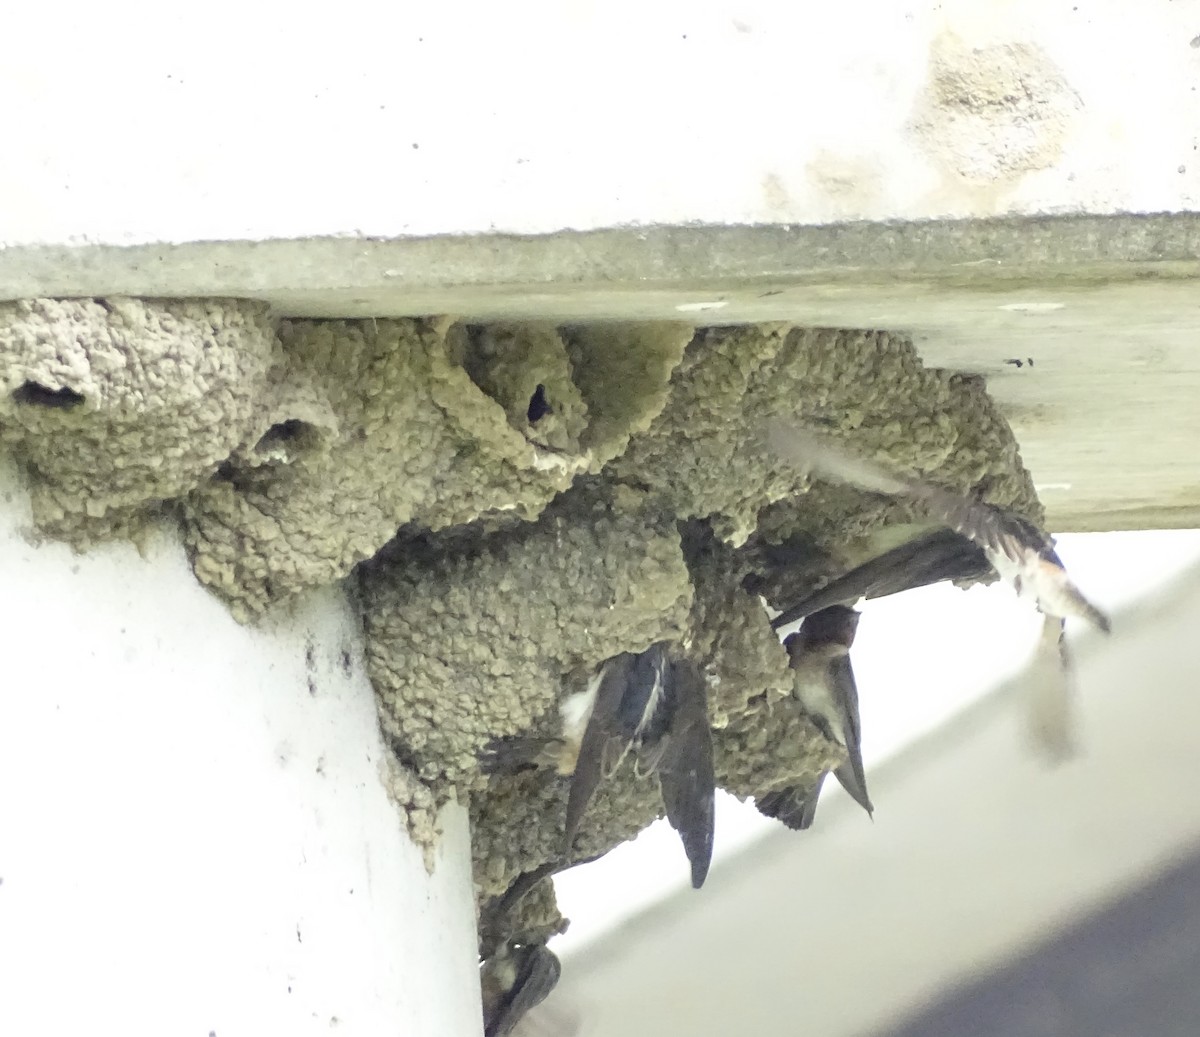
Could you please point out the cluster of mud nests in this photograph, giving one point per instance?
(514, 504)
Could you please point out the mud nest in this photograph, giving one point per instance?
(515, 504)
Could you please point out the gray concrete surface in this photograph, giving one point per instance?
(619, 272)
(1129, 968)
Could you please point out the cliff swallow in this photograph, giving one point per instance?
(655, 704)
(1019, 552)
(823, 684)
(650, 703)
(512, 981)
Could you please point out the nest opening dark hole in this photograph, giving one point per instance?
(293, 431)
(538, 407)
(34, 394)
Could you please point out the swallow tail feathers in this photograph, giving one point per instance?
(685, 769)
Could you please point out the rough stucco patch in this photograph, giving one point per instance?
(993, 113)
(117, 405)
(416, 441)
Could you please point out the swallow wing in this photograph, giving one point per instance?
(940, 554)
(538, 970)
(981, 523)
(1011, 542)
(602, 726)
(845, 693)
(1019, 551)
(1049, 689)
(795, 806)
(685, 769)
(645, 707)
(812, 454)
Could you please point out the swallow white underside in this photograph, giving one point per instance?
(814, 688)
(576, 709)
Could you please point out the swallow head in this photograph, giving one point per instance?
(831, 628)
(1039, 574)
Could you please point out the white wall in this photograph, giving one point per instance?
(194, 833)
(133, 121)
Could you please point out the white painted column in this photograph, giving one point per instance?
(195, 836)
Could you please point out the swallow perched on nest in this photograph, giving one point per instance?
(819, 654)
(652, 704)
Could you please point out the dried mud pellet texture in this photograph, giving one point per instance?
(518, 818)
(953, 435)
(703, 456)
(696, 455)
(531, 917)
(522, 501)
(771, 744)
(416, 804)
(701, 460)
(116, 405)
(411, 439)
(525, 368)
(479, 640)
(623, 371)
(730, 635)
(517, 822)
